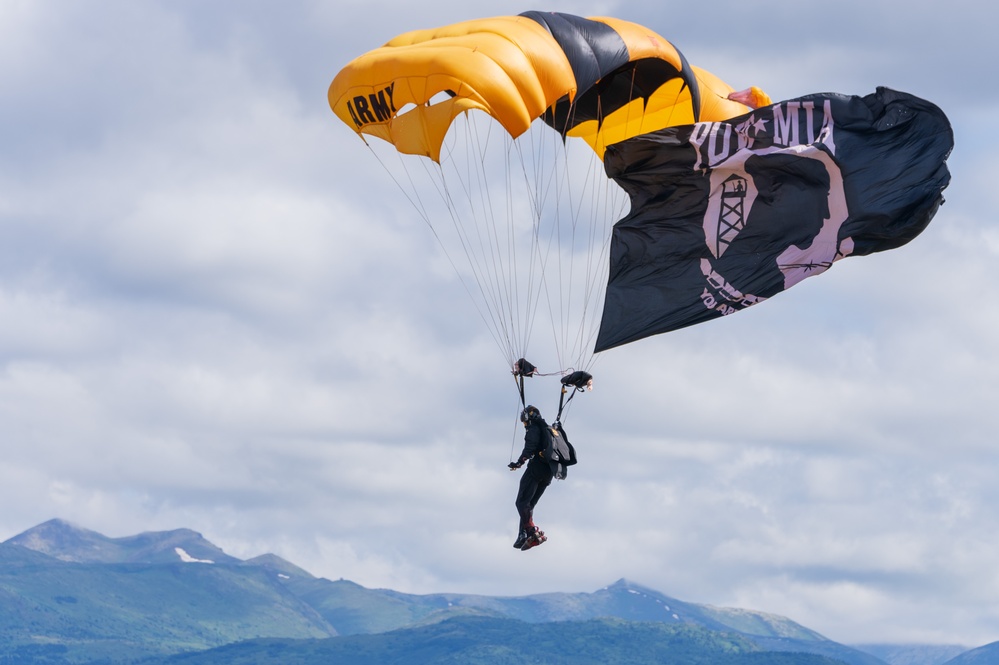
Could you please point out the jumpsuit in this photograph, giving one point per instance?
(538, 474)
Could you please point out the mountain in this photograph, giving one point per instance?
(67, 542)
(492, 641)
(279, 566)
(913, 654)
(353, 610)
(986, 655)
(89, 597)
(79, 596)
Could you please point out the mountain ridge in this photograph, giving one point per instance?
(68, 542)
(59, 576)
(491, 641)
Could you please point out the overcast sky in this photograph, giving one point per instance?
(216, 313)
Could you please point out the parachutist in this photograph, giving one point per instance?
(537, 476)
(547, 452)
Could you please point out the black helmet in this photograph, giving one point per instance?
(529, 413)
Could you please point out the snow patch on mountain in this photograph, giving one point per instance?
(187, 558)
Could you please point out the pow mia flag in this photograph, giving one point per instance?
(727, 214)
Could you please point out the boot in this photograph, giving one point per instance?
(535, 537)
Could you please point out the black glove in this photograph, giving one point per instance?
(513, 466)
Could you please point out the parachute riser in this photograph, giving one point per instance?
(562, 403)
(573, 382)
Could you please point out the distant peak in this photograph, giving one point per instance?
(59, 525)
(278, 565)
(61, 539)
(68, 542)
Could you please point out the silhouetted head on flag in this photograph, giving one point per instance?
(780, 225)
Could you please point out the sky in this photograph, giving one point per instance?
(217, 313)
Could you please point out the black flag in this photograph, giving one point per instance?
(727, 214)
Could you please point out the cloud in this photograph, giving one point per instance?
(219, 314)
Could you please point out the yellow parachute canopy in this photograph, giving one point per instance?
(600, 79)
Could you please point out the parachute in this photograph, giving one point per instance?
(496, 129)
(603, 80)
(521, 140)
